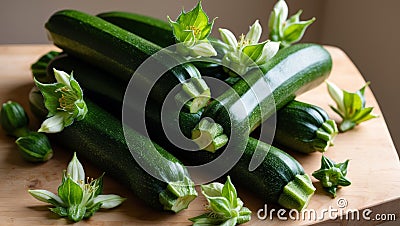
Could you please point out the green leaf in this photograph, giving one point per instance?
(212, 189)
(108, 201)
(343, 167)
(295, 18)
(326, 163)
(92, 210)
(70, 192)
(254, 51)
(352, 103)
(294, 32)
(230, 222)
(206, 219)
(61, 211)
(342, 181)
(229, 192)
(51, 97)
(244, 215)
(220, 206)
(99, 184)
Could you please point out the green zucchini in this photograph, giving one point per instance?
(291, 72)
(99, 137)
(155, 30)
(304, 127)
(120, 53)
(272, 180)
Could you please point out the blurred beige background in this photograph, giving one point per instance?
(367, 30)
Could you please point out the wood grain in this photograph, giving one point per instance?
(374, 164)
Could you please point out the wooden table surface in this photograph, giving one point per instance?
(374, 168)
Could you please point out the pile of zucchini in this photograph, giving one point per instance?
(104, 51)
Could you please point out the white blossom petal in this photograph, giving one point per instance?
(204, 49)
(228, 37)
(62, 77)
(254, 33)
(108, 201)
(53, 124)
(75, 170)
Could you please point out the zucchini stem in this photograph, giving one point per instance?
(297, 193)
(178, 195)
(195, 95)
(209, 135)
(325, 135)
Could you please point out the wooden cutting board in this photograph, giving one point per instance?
(374, 168)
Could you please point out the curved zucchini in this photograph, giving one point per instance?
(120, 53)
(99, 137)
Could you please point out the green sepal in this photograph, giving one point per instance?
(332, 175)
(92, 210)
(350, 106)
(76, 212)
(70, 192)
(61, 211)
(13, 119)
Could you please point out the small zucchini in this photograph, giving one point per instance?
(99, 137)
(304, 127)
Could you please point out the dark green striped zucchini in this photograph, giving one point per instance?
(99, 137)
(304, 127)
(120, 53)
(272, 180)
